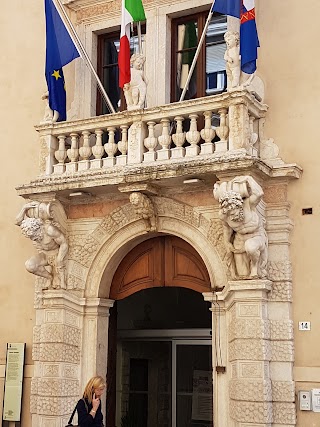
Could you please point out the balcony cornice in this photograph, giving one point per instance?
(207, 168)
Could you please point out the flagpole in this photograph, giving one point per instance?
(197, 53)
(83, 53)
(139, 36)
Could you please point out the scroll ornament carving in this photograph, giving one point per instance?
(37, 222)
(145, 209)
(244, 231)
(269, 151)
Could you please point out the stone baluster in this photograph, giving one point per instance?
(223, 132)
(60, 155)
(150, 143)
(193, 137)
(73, 154)
(123, 146)
(85, 152)
(97, 150)
(179, 138)
(111, 148)
(164, 140)
(207, 134)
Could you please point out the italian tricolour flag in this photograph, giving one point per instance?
(132, 11)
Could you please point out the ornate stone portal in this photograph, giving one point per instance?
(70, 337)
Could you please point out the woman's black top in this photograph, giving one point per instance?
(84, 417)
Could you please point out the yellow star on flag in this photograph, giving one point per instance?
(56, 74)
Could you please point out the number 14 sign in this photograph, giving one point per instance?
(304, 326)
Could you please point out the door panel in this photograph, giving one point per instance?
(194, 403)
(170, 383)
(158, 262)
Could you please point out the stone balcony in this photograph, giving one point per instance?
(161, 146)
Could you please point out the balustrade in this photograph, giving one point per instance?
(171, 133)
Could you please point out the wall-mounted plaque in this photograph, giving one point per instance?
(13, 382)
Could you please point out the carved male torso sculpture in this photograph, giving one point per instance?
(38, 226)
(244, 234)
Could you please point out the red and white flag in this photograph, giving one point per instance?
(132, 11)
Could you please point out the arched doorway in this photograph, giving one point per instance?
(161, 373)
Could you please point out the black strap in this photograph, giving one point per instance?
(74, 411)
(72, 415)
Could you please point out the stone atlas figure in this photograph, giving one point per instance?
(36, 223)
(244, 233)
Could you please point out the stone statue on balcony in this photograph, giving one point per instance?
(145, 209)
(232, 58)
(244, 233)
(50, 116)
(135, 91)
(36, 223)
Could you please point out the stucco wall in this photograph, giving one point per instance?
(21, 86)
(288, 66)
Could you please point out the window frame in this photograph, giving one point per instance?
(200, 18)
(100, 57)
(115, 35)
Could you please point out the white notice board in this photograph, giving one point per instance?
(13, 382)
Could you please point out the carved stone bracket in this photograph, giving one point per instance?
(145, 209)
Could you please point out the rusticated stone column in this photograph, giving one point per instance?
(279, 227)
(249, 352)
(67, 350)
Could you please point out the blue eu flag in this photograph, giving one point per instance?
(60, 51)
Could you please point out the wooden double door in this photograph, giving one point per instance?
(163, 261)
(160, 262)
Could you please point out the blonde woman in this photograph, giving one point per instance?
(89, 407)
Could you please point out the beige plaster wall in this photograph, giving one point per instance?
(21, 87)
(288, 62)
